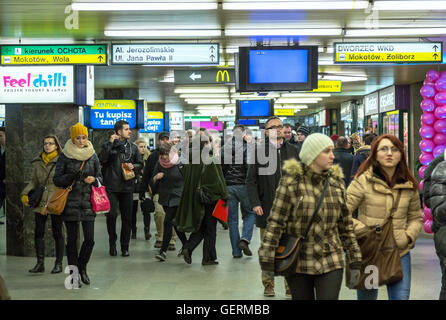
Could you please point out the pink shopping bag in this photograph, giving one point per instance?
(99, 200)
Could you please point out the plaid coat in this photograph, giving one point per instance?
(332, 229)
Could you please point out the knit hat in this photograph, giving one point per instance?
(77, 130)
(314, 144)
(304, 130)
(334, 137)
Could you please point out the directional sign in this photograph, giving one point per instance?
(391, 52)
(284, 112)
(208, 76)
(166, 54)
(57, 54)
(328, 86)
(154, 122)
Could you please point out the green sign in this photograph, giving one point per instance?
(57, 54)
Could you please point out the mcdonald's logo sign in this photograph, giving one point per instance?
(221, 76)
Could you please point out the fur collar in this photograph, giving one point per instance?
(295, 169)
(72, 152)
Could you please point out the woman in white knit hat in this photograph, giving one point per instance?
(320, 260)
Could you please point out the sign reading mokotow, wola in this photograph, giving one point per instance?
(392, 52)
(166, 54)
(54, 54)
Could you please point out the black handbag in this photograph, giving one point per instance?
(147, 205)
(285, 259)
(35, 195)
(204, 198)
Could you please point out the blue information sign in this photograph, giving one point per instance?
(105, 113)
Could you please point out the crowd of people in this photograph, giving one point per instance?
(331, 185)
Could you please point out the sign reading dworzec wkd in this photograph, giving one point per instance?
(388, 52)
(166, 54)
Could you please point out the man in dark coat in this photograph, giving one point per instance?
(434, 194)
(301, 133)
(263, 179)
(344, 158)
(363, 152)
(235, 167)
(116, 155)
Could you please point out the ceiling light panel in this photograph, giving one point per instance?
(143, 6)
(410, 5)
(394, 32)
(162, 33)
(294, 5)
(190, 89)
(283, 32)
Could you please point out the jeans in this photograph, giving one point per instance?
(80, 260)
(396, 291)
(239, 194)
(167, 235)
(327, 285)
(120, 201)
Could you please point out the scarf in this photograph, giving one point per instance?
(71, 151)
(47, 157)
(172, 161)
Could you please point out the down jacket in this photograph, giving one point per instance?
(78, 207)
(374, 199)
(332, 231)
(39, 174)
(434, 191)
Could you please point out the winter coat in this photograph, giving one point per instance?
(331, 233)
(361, 155)
(235, 172)
(112, 156)
(39, 174)
(345, 160)
(170, 187)
(434, 191)
(375, 199)
(78, 207)
(261, 187)
(149, 166)
(190, 212)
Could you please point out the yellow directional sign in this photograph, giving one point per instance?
(284, 112)
(114, 104)
(328, 86)
(53, 54)
(362, 52)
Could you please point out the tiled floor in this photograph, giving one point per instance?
(141, 276)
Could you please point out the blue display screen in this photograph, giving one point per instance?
(248, 122)
(278, 66)
(254, 108)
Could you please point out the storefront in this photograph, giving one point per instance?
(394, 105)
(324, 122)
(371, 112)
(360, 117)
(347, 117)
(334, 121)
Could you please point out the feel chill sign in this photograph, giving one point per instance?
(105, 113)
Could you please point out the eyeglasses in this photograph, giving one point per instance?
(275, 127)
(386, 149)
(48, 143)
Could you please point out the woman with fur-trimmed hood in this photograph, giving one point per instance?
(78, 164)
(321, 257)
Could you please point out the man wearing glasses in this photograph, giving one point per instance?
(262, 185)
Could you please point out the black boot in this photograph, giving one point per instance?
(59, 256)
(40, 253)
(83, 274)
(134, 233)
(113, 251)
(147, 233)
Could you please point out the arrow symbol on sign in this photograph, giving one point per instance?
(212, 49)
(212, 57)
(100, 50)
(435, 47)
(435, 56)
(100, 58)
(194, 76)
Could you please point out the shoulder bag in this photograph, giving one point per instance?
(204, 198)
(379, 249)
(58, 200)
(285, 259)
(99, 199)
(128, 174)
(35, 195)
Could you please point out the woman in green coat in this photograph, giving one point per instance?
(193, 215)
(42, 175)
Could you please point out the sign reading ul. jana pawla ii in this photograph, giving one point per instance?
(166, 54)
(392, 52)
(53, 54)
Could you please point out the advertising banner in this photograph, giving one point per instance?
(105, 113)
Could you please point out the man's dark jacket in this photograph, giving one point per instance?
(361, 155)
(262, 188)
(235, 174)
(149, 167)
(345, 159)
(434, 191)
(112, 156)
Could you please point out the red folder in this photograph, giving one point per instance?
(221, 211)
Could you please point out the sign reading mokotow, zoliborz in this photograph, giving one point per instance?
(166, 54)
